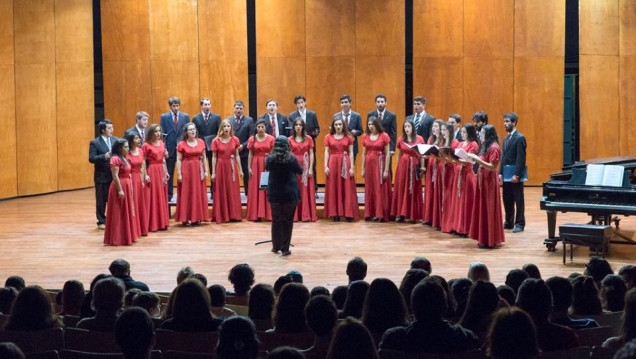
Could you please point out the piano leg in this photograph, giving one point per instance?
(552, 240)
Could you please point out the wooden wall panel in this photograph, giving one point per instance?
(540, 27)
(627, 28)
(6, 32)
(224, 81)
(73, 30)
(170, 78)
(34, 31)
(8, 175)
(280, 28)
(598, 27)
(440, 80)
(379, 28)
(627, 105)
(488, 86)
(493, 39)
(330, 28)
(280, 79)
(438, 28)
(599, 106)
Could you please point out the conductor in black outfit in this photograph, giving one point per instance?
(283, 193)
(513, 154)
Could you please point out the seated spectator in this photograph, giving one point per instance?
(237, 339)
(203, 279)
(149, 301)
(354, 303)
(409, 281)
(460, 288)
(535, 298)
(10, 350)
(561, 289)
(183, 274)
(289, 316)
(130, 294)
(319, 290)
(508, 294)
(478, 271)
(108, 299)
(356, 269)
(321, 315)
(430, 332)
(285, 352)
(16, 282)
(280, 283)
(628, 351)
(421, 263)
(120, 268)
(483, 301)
(628, 323)
(166, 312)
(352, 340)
(7, 297)
(628, 273)
(72, 298)
(339, 296)
(514, 279)
(296, 276)
(585, 297)
(261, 305)
(512, 335)
(598, 268)
(242, 278)
(217, 301)
(191, 309)
(87, 304)
(134, 333)
(613, 293)
(532, 270)
(32, 311)
(450, 311)
(384, 307)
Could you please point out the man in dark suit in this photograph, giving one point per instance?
(243, 128)
(99, 154)
(352, 120)
(207, 124)
(172, 124)
(422, 120)
(312, 128)
(140, 126)
(275, 123)
(120, 268)
(456, 120)
(513, 154)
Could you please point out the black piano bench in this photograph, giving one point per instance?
(596, 237)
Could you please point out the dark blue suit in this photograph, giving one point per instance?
(173, 135)
(101, 175)
(514, 154)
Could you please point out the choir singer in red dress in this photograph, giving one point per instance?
(192, 171)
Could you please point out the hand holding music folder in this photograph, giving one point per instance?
(509, 171)
(425, 150)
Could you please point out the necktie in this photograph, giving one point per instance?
(507, 140)
(206, 119)
(347, 120)
(176, 121)
(417, 122)
(274, 129)
(143, 135)
(380, 117)
(109, 145)
(238, 121)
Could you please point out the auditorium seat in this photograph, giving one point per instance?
(204, 342)
(272, 340)
(574, 353)
(594, 336)
(90, 341)
(239, 309)
(48, 354)
(605, 320)
(76, 354)
(599, 352)
(35, 341)
(70, 321)
(396, 354)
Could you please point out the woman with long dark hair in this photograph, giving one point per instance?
(446, 173)
(341, 198)
(464, 183)
(283, 193)
(375, 171)
(406, 202)
(302, 147)
(139, 179)
(191, 309)
(192, 170)
(431, 172)
(32, 310)
(483, 301)
(121, 222)
(384, 307)
(225, 172)
(157, 195)
(486, 224)
(259, 145)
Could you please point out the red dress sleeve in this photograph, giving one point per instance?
(250, 143)
(310, 141)
(115, 161)
(494, 154)
(327, 140)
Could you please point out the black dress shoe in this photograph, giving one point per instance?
(336, 219)
(508, 225)
(517, 229)
(286, 253)
(349, 219)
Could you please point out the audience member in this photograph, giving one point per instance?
(87, 304)
(32, 311)
(72, 298)
(183, 274)
(356, 269)
(561, 289)
(384, 307)
(10, 351)
(430, 332)
(535, 298)
(108, 299)
(450, 311)
(319, 290)
(166, 312)
(280, 283)
(217, 301)
(201, 278)
(191, 309)
(410, 280)
(628, 323)
(478, 271)
(129, 295)
(512, 335)
(261, 305)
(421, 263)
(598, 268)
(613, 293)
(483, 301)
(514, 279)
(296, 276)
(321, 315)
(585, 297)
(628, 351)
(460, 288)
(148, 301)
(16, 282)
(285, 352)
(120, 268)
(7, 297)
(628, 273)
(134, 333)
(352, 340)
(237, 339)
(508, 294)
(532, 270)
(339, 296)
(242, 278)
(354, 303)
(289, 316)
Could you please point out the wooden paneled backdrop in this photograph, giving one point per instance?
(47, 95)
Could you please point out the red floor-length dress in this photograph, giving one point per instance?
(306, 209)
(377, 190)
(450, 192)
(407, 186)
(227, 192)
(120, 219)
(257, 203)
(341, 197)
(192, 193)
(464, 197)
(157, 194)
(429, 186)
(486, 221)
(139, 191)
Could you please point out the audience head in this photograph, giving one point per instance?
(410, 280)
(148, 301)
(628, 320)
(7, 297)
(119, 268)
(512, 335)
(585, 297)
(183, 274)
(339, 296)
(507, 294)
(191, 302)
(535, 298)
(354, 303)
(428, 301)
(384, 306)
(134, 333)
(321, 315)
(319, 290)
(561, 289)
(16, 282)
(130, 294)
(532, 270)
(285, 352)
(108, 295)
(421, 263)
(514, 279)
(261, 302)
(482, 303)
(289, 316)
(450, 311)
(242, 277)
(280, 283)
(613, 293)
(352, 340)
(628, 273)
(32, 311)
(598, 268)
(72, 297)
(460, 288)
(237, 339)
(201, 278)
(217, 295)
(9, 350)
(356, 269)
(87, 305)
(478, 271)
(296, 276)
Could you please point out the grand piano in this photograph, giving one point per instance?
(566, 192)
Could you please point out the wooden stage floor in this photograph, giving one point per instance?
(50, 238)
